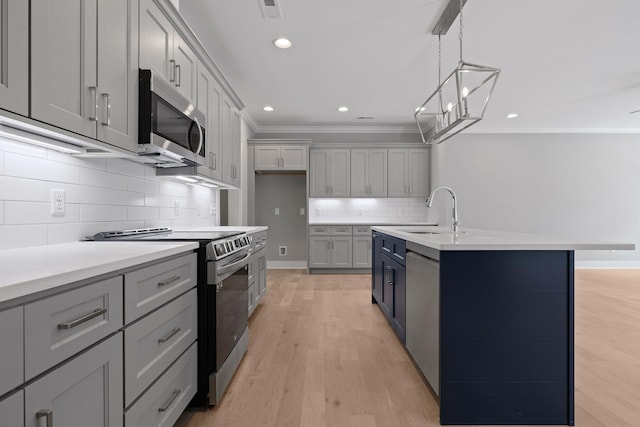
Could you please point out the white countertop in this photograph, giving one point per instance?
(27, 271)
(239, 228)
(486, 240)
(369, 222)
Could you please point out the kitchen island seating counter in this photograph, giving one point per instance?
(487, 317)
(31, 270)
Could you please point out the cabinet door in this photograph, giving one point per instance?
(418, 169)
(214, 131)
(319, 252)
(319, 173)
(204, 103)
(85, 391)
(186, 68)
(227, 141)
(14, 56)
(398, 308)
(377, 173)
(156, 40)
(359, 173)
(12, 360)
(118, 73)
(397, 173)
(294, 157)
(342, 252)
(262, 275)
(251, 298)
(267, 157)
(362, 252)
(236, 139)
(339, 176)
(12, 410)
(386, 291)
(63, 64)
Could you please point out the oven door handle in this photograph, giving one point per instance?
(234, 266)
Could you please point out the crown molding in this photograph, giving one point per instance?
(336, 129)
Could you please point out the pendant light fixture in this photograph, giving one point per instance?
(461, 99)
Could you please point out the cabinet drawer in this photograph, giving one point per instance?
(360, 230)
(12, 410)
(148, 288)
(58, 327)
(156, 341)
(341, 230)
(164, 402)
(315, 230)
(394, 247)
(11, 362)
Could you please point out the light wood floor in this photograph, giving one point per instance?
(321, 354)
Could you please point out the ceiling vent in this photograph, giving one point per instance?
(270, 9)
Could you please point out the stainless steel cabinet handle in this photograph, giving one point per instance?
(215, 161)
(94, 103)
(107, 108)
(409, 189)
(48, 413)
(169, 335)
(169, 281)
(170, 400)
(95, 313)
(210, 160)
(178, 75)
(172, 70)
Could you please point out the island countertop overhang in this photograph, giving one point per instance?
(442, 239)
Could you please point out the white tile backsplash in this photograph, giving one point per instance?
(18, 165)
(100, 195)
(383, 210)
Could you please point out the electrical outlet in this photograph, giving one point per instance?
(57, 202)
(212, 209)
(282, 250)
(198, 210)
(277, 211)
(176, 208)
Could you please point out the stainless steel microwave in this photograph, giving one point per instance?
(170, 128)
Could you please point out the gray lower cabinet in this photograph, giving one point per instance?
(162, 404)
(361, 251)
(85, 391)
(14, 56)
(12, 360)
(261, 274)
(12, 410)
(423, 316)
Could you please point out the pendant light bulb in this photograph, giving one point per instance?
(449, 107)
(465, 92)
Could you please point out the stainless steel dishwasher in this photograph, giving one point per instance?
(423, 316)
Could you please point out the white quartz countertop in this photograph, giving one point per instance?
(368, 222)
(443, 239)
(31, 270)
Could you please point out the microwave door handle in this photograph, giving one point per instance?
(199, 133)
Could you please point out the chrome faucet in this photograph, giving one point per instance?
(455, 222)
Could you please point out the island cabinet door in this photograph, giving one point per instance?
(393, 301)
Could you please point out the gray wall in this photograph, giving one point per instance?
(288, 193)
(583, 186)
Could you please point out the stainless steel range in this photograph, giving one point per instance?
(223, 337)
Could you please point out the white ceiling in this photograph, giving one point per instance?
(567, 65)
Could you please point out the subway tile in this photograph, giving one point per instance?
(157, 223)
(1, 162)
(102, 213)
(102, 179)
(170, 188)
(21, 189)
(142, 213)
(37, 213)
(47, 170)
(169, 213)
(22, 236)
(124, 198)
(125, 167)
(91, 163)
(123, 225)
(22, 148)
(73, 232)
(142, 185)
(1, 212)
(80, 194)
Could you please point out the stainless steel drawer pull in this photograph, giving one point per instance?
(178, 75)
(169, 335)
(107, 109)
(95, 313)
(169, 281)
(172, 70)
(46, 413)
(170, 400)
(94, 103)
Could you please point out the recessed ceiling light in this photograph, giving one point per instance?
(343, 109)
(282, 43)
(512, 116)
(268, 108)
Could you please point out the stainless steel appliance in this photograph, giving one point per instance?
(223, 337)
(171, 129)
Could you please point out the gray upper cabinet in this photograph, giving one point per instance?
(14, 56)
(329, 173)
(236, 138)
(164, 51)
(84, 68)
(209, 100)
(226, 122)
(281, 157)
(408, 172)
(369, 173)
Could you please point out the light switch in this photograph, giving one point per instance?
(277, 211)
(176, 208)
(302, 211)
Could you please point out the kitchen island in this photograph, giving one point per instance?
(487, 318)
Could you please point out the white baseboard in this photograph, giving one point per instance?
(607, 264)
(287, 265)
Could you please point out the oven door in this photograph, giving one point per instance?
(231, 311)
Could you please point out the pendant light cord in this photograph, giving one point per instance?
(461, 29)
